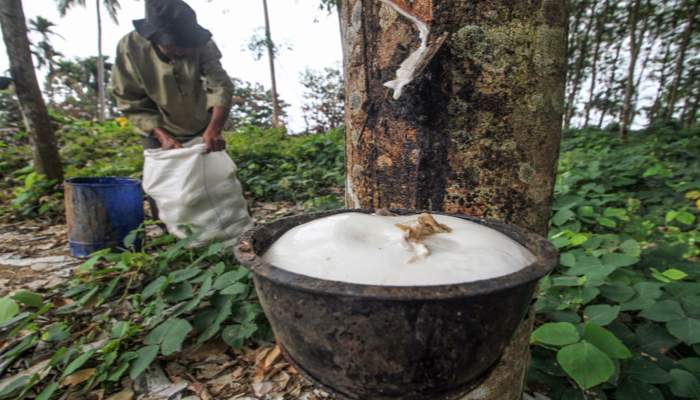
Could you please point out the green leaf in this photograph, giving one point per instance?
(29, 298)
(120, 329)
(226, 280)
(89, 263)
(592, 243)
(648, 290)
(687, 330)
(586, 364)
(685, 217)
(567, 201)
(619, 260)
(146, 356)
(183, 275)
(236, 288)
(629, 389)
(674, 274)
(14, 385)
(157, 335)
(638, 303)
(234, 335)
(174, 338)
(203, 318)
(181, 292)
(654, 339)
(606, 222)
(605, 341)
(684, 384)
(578, 239)
(617, 292)
(8, 308)
(644, 371)
(116, 373)
(556, 333)
(601, 314)
(47, 392)
(567, 259)
(614, 212)
(585, 211)
(692, 364)
(663, 311)
(78, 362)
(560, 242)
(153, 288)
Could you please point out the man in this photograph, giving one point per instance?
(157, 79)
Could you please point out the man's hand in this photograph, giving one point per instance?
(167, 141)
(213, 140)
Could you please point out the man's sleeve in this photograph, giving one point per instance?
(131, 96)
(219, 85)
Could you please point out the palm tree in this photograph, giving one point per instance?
(112, 7)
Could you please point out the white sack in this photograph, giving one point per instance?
(179, 180)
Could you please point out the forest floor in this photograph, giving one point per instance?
(35, 256)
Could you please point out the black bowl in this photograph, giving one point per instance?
(393, 342)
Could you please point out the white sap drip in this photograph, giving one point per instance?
(368, 249)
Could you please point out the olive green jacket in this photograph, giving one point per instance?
(152, 91)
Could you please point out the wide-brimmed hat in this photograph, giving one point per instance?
(171, 23)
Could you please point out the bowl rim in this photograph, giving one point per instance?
(245, 252)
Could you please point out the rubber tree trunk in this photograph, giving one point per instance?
(100, 68)
(36, 118)
(271, 54)
(476, 131)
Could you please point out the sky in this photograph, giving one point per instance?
(314, 35)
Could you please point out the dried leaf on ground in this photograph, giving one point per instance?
(37, 369)
(126, 394)
(272, 356)
(77, 377)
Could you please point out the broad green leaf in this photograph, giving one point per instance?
(645, 371)
(234, 335)
(556, 333)
(146, 356)
(692, 364)
(606, 222)
(120, 329)
(586, 364)
(246, 313)
(567, 201)
(592, 243)
(663, 311)
(153, 288)
(605, 341)
(127, 357)
(648, 290)
(29, 298)
(614, 212)
(637, 303)
(619, 260)
(671, 215)
(684, 384)
(204, 317)
(183, 275)
(56, 333)
(687, 330)
(174, 338)
(567, 260)
(236, 288)
(654, 339)
(157, 335)
(562, 217)
(629, 389)
(578, 239)
(8, 308)
(78, 362)
(685, 217)
(181, 292)
(674, 274)
(115, 373)
(601, 314)
(226, 280)
(617, 292)
(585, 211)
(560, 242)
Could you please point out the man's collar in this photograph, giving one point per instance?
(161, 56)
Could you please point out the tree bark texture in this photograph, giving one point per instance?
(579, 68)
(36, 118)
(101, 115)
(600, 29)
(476, 131)
(636, 41)
(271, 54)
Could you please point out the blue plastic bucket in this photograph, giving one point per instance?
(100, 213)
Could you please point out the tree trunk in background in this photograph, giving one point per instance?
(476, 132)
(635, 46)
(600, 29)
(579, 68)
(100, 68)
(673, 93)
(36, 118)
(611, 85)
(271, 54)
(654, 113)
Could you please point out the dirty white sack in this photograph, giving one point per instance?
(191, 187)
